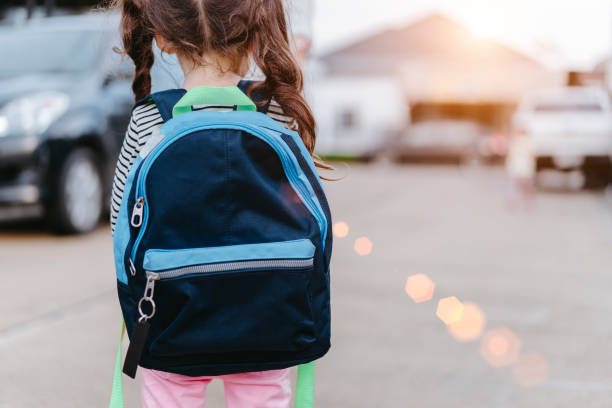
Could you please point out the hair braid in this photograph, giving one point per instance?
(284, 80)
(137, 37)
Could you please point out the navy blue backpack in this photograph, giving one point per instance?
(222, 246)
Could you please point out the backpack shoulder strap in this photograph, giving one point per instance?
(164, 100)
(258, 96)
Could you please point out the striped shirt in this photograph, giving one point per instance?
(145, 118)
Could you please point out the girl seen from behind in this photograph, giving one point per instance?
(215, 42)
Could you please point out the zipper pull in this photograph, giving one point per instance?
(137, 213)
(149, 291)
(141, 330)
(132, 268)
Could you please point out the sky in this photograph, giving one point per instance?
(563, 34)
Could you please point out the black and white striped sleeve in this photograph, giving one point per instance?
(144, 119)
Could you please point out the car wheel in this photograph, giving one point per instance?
(77, 206)
(595, 177)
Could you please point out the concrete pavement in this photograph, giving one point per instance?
(544, 275)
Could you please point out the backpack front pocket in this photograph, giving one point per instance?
(252, 297)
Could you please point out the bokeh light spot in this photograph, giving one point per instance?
(341, 229)
(450, 310)
(531, 369)
(420, 288)
(363, 246)
(500, 347)
(471, 325)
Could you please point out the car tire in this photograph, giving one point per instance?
(77, 205)
(596, 177)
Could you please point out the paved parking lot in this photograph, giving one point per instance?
(542, 275)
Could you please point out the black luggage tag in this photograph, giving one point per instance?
(134, 352)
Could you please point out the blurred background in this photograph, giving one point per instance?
(473, 222)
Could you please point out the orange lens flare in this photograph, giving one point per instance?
(531, 369)
(500, 347)
(450, 310)
(341, 229)
(363, 246)
(289, 194)
(471, 325)
(420, 288)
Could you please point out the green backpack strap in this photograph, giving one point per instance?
(304, 389)
(116, 399)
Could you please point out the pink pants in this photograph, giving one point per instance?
(265, 389)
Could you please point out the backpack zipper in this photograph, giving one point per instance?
(301, 187)
(234, 266)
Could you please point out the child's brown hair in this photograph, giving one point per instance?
(233, 29)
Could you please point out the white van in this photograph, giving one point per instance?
(569, 128)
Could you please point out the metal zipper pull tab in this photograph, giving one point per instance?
(148, 294)
(132, 268)
(137, 213)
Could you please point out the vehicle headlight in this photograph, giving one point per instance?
(32, 114)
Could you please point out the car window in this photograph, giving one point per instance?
(38, 51)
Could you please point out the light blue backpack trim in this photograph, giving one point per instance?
(121, 236)
(160, 259)
(192, 119)
(305, 153)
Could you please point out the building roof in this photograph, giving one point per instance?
(438, 59)
(435, 35)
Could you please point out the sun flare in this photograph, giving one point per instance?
(483, 28)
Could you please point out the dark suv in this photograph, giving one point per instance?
(65, 102)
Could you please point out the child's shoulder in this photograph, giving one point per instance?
(275, 111)
(146, 112)
(145, 117)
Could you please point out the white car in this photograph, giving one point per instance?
(445, 140)
(569, 128)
